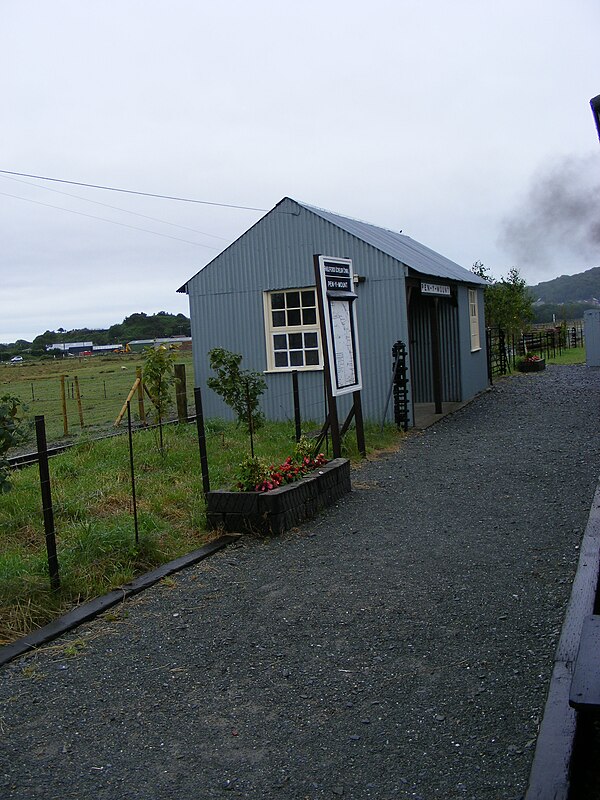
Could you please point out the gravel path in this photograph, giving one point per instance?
(400, 646)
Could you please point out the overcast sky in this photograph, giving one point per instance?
(466, 124)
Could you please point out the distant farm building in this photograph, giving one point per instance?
(183, 342)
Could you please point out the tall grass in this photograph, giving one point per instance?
(91, 491)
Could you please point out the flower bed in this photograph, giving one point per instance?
(279, 509)
(531, 364)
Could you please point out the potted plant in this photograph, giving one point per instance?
(269, 498)
(531, 363)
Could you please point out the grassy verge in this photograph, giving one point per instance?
(91, 490)
(574, 355)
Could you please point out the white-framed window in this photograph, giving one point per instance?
(292, 329)
(474, 320)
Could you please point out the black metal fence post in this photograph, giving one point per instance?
(250, 420)
(201, 440)
(297, 418)
(40, 434)
(488, 352)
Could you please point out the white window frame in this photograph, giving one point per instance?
(272, 330)
(474, 320)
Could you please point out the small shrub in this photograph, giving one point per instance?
(241, 389)
(250, 473)
(254, 475)
(12, 432)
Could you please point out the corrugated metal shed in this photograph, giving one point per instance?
(228, 299)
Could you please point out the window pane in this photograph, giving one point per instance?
(295, 340)
(310, 340)
(280, 341)
(281, 360)
(296, 358)
(308, 298)
(309, 315)
(293, 317)
(279, 319)
(292, 299)
(278, 300)
(312, 357)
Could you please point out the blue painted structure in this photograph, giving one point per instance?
(227, 309)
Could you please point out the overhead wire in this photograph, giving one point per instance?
(109, 221)
(116, 208)
(130, 191)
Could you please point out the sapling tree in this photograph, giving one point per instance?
(159, 376)
(12, 432)
(240, 388)
(508, 302)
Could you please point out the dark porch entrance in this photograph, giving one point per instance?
(434, 350)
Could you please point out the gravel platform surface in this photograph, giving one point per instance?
(400, 646)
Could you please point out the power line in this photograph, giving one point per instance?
(110, 221)
(116, 208)
(129, 191)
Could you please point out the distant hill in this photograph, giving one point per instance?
(567, 297)
(136, 326)
(581, 288)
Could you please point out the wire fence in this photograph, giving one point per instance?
(79, 402)
(504, 350)
(84, 403)
(79, 496)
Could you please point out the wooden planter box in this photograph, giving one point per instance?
(282, 508)
(532, 366)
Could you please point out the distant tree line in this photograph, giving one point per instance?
(579, 289)
(136, 326)
(559, 312)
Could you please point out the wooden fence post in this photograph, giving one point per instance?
(63, 401)
(141, 409)
(78, 395)
(181, 393)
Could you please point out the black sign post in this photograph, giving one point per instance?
(336, 442)
(336, 298)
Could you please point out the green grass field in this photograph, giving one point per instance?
(104, 383)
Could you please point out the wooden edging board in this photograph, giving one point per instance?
(91, 609)
(549, 778)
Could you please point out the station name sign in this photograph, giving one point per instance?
(435, 288)
(338, 275)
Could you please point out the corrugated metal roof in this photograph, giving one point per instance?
(407, 251)
(399, 246)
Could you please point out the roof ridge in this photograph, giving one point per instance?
(318, 209)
